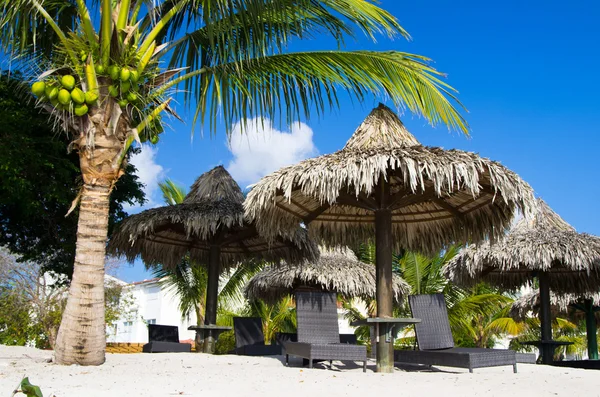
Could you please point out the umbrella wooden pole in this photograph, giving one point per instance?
(546, 350)
(591, 329)
(383, 261)
(212, 290)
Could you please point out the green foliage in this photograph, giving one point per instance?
(38, 182)
(28, 389)
(118, 302)
(15, 324)
(188, 282)
(236, 54)
(225, 343)
(477, 315)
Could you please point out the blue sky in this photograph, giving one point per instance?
(524, 70)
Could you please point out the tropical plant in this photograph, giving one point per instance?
(32, 302)
(477, 315)
(187, 281)
(40, 179)
(107, 89)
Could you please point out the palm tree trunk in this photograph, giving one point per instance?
(82, 338)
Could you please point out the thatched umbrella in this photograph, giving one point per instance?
(545, 247)
(384, 182)
(209, 226)
(337, 270)
(570, 304)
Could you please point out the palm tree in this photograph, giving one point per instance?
(107, 89)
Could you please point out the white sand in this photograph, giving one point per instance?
(206, 375)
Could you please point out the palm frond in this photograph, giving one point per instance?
(294, 84)
(172, 192)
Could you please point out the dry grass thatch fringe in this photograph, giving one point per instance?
(211, 213)
(544, 243)
(560, 305)
(337, 270)
(437, 196)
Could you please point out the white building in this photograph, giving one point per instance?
(151, 305)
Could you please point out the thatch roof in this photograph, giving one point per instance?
(436, 196)
(561, 304)
(336, 270)
(211, 214)
(543, 243)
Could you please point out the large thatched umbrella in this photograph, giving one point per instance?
(337, 270)
(545, 247)
(569, 304)
(210, 227)
(384, 183)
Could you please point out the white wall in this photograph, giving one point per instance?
(152, 305)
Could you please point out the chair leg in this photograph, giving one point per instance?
(365, 366)
(471, 370)
(515, 368)
(330, 364)
(310, 362)
(287, 360)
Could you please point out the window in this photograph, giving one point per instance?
(152, 293)
(152, 321)
(127, 326)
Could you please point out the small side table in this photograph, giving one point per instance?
(547, 348)
(384, 327)
(207, 335)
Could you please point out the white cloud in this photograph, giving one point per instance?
(261, 149)
(150, 173)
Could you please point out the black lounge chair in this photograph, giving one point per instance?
(318, 331)
(164, 339)
(436, 345)
(250, 339)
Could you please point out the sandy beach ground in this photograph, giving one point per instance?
(207, 375)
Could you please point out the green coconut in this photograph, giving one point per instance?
(123, 102)
(131, 96)
(68, 81)
(51, 92)
(77, 96)
(154, 139)
(135, 76)
(91, 98)
(125, 87)
(81, 110)
(38, 88)
(64, 97)
(113, 91)
(54, 102)
(125, 74)
(100, 69)
(114, 71)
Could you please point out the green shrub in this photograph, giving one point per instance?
(225, 343)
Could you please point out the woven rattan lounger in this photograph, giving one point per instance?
(250, 339)
(318, 331)
(436, 345)
(164, 339)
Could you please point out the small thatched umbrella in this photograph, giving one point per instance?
(337, 270)
(570, 304)
(545, 247)
(384, 183)
(210, 227)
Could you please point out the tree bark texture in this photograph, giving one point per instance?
(81, 337)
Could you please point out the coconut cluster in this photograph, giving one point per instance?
(64, 93)
(124, 87)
